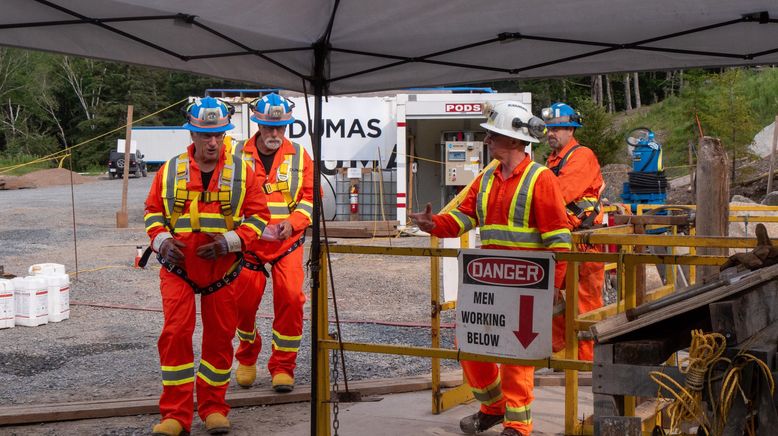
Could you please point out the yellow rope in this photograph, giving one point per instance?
(705, 352)
(57, 154)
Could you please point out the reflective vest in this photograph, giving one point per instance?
(289, 181)
(517, 231)
(230, 196)
(583, 206)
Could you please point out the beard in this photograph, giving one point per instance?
(273, 143)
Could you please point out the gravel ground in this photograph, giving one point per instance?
(104, 353)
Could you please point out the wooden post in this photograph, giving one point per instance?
(122, 218)
(409, 204)
(772, 157)
(692, 179)
(712, 197)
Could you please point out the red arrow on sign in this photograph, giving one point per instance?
(524, 334)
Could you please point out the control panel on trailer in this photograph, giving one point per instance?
(464, 160)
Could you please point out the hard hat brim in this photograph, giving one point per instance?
(567, 124)
(272, 123)
(192, 128)
(510, 133)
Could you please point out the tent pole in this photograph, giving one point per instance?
(317, 393)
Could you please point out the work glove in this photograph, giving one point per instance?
(223, 243)
(284, 230)
(271, 233)
(424, 219)
(170, 250)
(763, 255)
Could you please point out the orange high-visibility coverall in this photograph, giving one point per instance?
(581, 182)
(287, 273)
(219, 309)
(508, 389)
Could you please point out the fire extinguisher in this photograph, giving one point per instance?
(354, 199)
(138, 256)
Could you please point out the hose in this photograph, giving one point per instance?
(647, 183)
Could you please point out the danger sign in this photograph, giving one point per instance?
(463, 107)
(504, 303)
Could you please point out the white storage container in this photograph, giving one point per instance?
(7, 308)
(31, 300)
(46, 269)
(58, 285)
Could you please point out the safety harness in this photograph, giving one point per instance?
(175, 195)
(259, 266)
(224, 196)
(585, 209)
(287, 176)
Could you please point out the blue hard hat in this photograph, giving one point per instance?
(561, 115)
(208, 114)
(272, 110)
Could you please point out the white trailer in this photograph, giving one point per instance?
(362, 134)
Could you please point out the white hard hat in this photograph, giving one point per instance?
(511, 118)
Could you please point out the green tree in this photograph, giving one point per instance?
(598, 132)
(728, 114)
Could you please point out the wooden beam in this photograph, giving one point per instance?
(52, 412)
(618, 426)
(740, 318)
(674, 220)
(618, 325)
(632, 380)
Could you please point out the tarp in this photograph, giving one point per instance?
(378, 45)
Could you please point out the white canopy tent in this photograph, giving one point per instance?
(370, 45)
(350, 46)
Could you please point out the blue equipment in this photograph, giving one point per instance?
(647, 182)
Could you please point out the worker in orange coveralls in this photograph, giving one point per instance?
(193, 217)
(581, 181)
(537, 222)
(285, 171)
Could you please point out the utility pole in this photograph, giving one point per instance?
(121, 216)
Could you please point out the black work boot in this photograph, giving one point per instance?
(478, 422)
(507, 431)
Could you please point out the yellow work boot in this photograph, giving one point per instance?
(216, 423)
(283, 383)
(245, 375)
(168, 427)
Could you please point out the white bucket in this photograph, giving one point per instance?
(31, 301)
(47, 269)
(58, 284)
(7, 308)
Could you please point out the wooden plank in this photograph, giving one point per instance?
(742, 317)
(618, 426)
(606, 405)
(360, 229)
(631, 380)
(662, 220)
(52, 412)
(646, 352)
(763, 345)
(618, 325)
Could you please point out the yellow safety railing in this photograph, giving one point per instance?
(629, 296)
